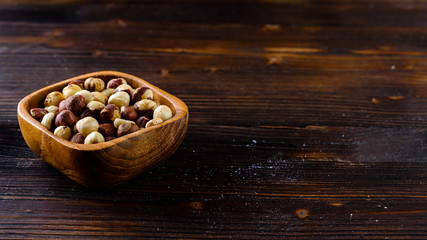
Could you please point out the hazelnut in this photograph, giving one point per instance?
(52, 109)
(109, 113)
(124, 88)
(78, 138)
(53, 98)
(97, 96)
(109, 138)
(95, 105)
(128, 113)
(94, 84)
(75, 104)
(63, 132)
(163, 112)
(142, 93)
(145, 107)
(78, 82)
(87, 125)
(94, 137)
(153, 122)
(38, 113)
(90, 113)
(65, 118)
(88, 96)
(114, 83)
(126, 128)
(142, 121)
(120, 121)
(70, 90)
(119, 99)
(61, 106)
(108, 92)
(47, 120)
(107, 129)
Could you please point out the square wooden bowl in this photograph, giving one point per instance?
(107, 164)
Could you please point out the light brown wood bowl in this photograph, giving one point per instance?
(104, 165)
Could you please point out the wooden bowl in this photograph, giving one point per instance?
(104, 165)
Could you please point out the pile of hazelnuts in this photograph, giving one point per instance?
(88, 112)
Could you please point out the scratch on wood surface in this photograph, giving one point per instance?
(396, 97)
(293, 50)
(336, 204)
(375, 101)
(271, 28)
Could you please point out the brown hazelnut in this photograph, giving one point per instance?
(53, 98)
(78, 138)
(142, 93)
(145, 107)
(70, 90)
(78, 82)
(114, 83)
(90, 113)
(163, 112)
(109, 138)
(142, 121)
(38, 113)
(126, 128)
(48, 120)
(94, 137)
(65, 118)
(63, 132)
(94, 84)
(107, 129)
(128, 113)
(109, 113)
(75, 104)
(61, 106)
(87, 125)
(119, 99)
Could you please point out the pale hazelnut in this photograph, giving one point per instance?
(52, 109)
(128, 113)
(53, 99)
(145, 107)
(78, 138)
(47, 120)
(119, 99)
(87, 125)
(38, 113)
(107, 129)
(94, 137)
(142, 121)
(153, 122)
(163, 112)
(63, 132)
(109, 113)
(65, 118)
(95, 105)
(75, 104)
(114, 83)
(94, 84)
(142, 93)
(120, 121)
(88, 96)
(90, 113)
(108, 92)
(126, 128)
(70, 90)
(78, 82)
(124, 88)
(97, 96)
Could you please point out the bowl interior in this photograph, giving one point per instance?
(36, 99)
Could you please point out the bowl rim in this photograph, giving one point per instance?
(181, 110)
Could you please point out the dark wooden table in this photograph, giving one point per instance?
(308, 119)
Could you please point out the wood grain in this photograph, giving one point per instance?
(307, 118)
